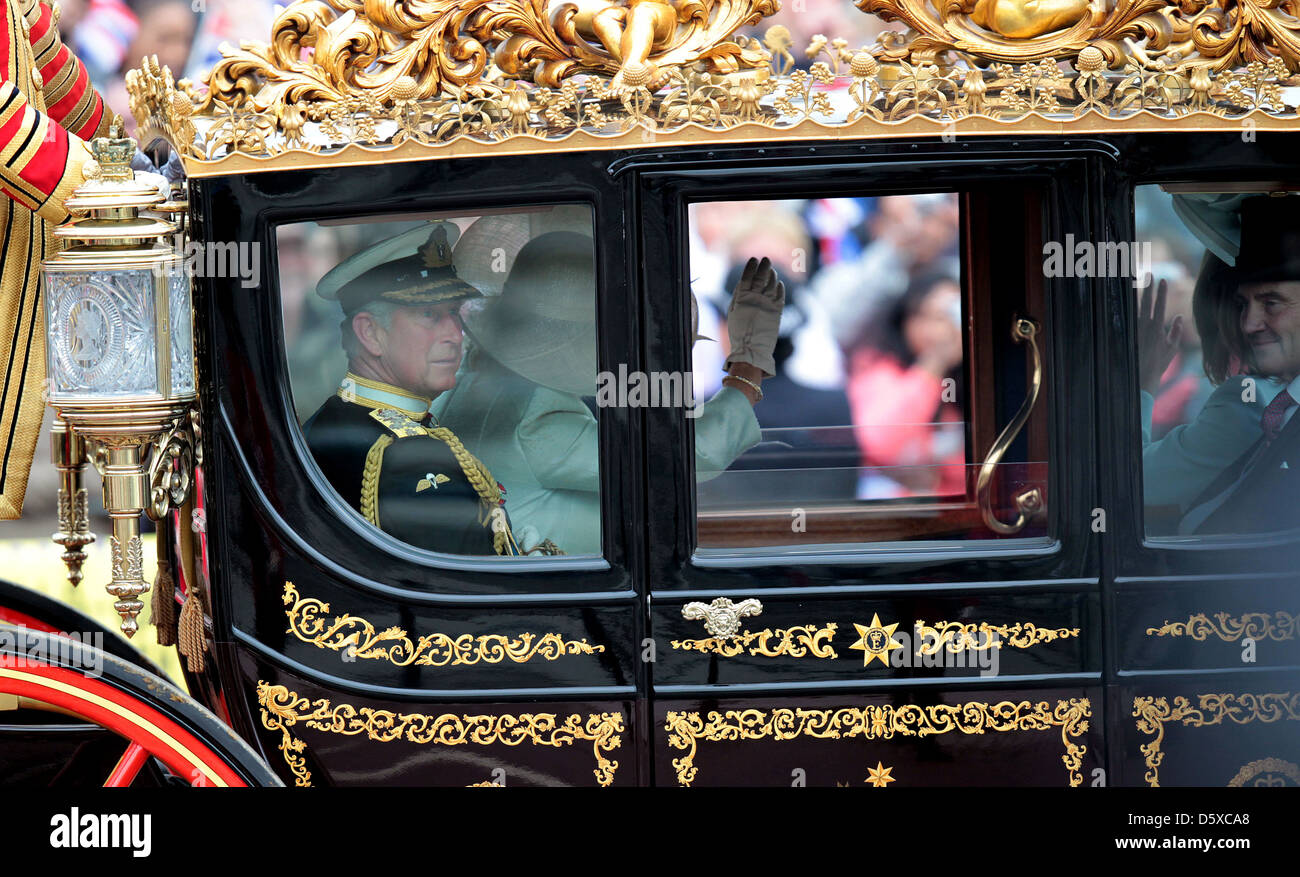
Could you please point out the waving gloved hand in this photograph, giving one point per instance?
(755, 316)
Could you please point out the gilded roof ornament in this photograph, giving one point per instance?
(358, 81)
(1214, 33)
(333, 49)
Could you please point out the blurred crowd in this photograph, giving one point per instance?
(114, 36)
(867, 401)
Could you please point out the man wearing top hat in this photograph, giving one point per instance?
(1256, 490)
(373, 439)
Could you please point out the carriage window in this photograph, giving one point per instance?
(443, 370)
(1218, 359)
(879, 412)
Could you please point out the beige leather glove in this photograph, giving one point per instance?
(755, 316)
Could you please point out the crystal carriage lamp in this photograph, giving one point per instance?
(120, 364)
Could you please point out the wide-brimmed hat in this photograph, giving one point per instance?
(543, 326)
(1270, 240)
(487, 249)
(411, 268)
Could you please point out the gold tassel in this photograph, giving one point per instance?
(164, 590)
(190, 636)
(164, 605)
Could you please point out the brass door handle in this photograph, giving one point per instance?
(1028, 502)
(722, 617)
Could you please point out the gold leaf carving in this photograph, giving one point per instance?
(956, 636)
(1230, 628)
(374, 48)
(308, 622)
(794, 642)
(128, 566)
(282, 709)
(544, 74)
(1019, 38)
(1153, 713)
(883, 722)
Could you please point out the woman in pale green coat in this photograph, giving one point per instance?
(517, 403)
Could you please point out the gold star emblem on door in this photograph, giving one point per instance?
(876, 641)
(880, 776)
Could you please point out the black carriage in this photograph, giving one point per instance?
(1024, 608)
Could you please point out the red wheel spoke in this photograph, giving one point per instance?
(128, 766)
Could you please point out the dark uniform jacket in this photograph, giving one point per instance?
(417, 483)
(1267, 499)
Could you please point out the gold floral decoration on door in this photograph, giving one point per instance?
(360, 639)
(282, 710)
(1153, 713)
(1278, 626)
(880, 722)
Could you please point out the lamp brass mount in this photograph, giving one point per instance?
(171, 468)
(68, 452)
(137, 435)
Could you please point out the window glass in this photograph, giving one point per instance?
(870, 428)
(443, 370)
(1218, 357)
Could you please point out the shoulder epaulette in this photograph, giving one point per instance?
(397, 423)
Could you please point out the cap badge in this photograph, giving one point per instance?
(437, 250)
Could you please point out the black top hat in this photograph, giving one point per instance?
(1270, 239)
(412, 268)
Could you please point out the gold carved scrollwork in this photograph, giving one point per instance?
(1153, 713)
(884, 722)
(282, 710)
(1215, 34)
(956, 636)
(1230, 628)
(414, 77)
(1016, 31)
(794, 642)
(812, 641)
(309, 622)
(171, 468)
(162, 107)
(376, 48)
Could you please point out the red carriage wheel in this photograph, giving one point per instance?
(154, 716)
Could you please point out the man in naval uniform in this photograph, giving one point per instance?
(374, 439)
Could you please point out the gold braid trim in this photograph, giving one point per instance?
(479, 477)
(503, 541)
(370, 479)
